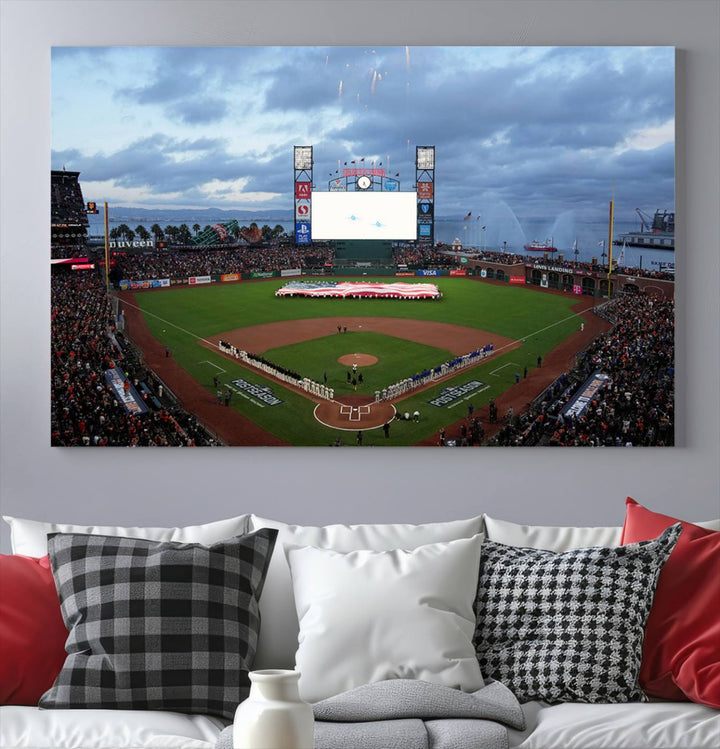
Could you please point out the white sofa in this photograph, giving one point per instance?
(638, 725)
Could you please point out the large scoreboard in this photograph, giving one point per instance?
(364, 215)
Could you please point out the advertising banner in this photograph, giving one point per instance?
(302, 232)
(425, 190)
(585, 394)
(290, 272)
(425, 209)
(302, 190)
(178, 282)
(517, 279)
(391, 185)
(424, 230)
(230, 277)
(125, 392)
(302, 211)
(433, 272)
(483, 273)
(196, 280)
(462, 272)
(405, 273)
(337, 185)
(138, 285)
(136, 244)
(577, 289)
(264, 274)
(359, 172)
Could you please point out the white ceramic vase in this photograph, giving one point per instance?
(274, 716)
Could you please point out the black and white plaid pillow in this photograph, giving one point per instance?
(158, 625)
(567, 627)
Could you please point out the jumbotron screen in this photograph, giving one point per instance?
(364, 215)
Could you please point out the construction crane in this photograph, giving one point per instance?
(645, 220)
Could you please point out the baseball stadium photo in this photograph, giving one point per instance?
(352, 247)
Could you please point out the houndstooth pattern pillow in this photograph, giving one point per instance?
(567, 627)
(157, 625)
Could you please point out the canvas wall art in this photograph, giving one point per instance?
(362, 246)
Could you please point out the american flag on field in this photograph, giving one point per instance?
(363, 289)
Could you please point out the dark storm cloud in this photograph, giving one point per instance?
(543, 131)
(167, 88)
(149, 162)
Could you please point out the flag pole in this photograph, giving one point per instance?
(610, 240)
(107, 276)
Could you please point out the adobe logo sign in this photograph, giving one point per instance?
(302, 190)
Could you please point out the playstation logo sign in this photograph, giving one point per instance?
(302, 232)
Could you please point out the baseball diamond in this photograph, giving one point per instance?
(300, 353)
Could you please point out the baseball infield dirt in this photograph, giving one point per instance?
(457, 339)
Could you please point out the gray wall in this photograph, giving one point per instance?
(319, 485)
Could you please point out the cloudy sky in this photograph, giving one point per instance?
(543, 130)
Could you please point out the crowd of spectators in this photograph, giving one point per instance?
(66, 199)
(202, 262)
(422, 256)
(635, 408)
(572, 265)
(84, 344)
(505, 258)
(59, 251)
(442, 256)
(664, 275)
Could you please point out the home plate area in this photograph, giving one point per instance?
(354, 412)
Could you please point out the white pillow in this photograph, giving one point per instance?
(29, 537)
(279, 626)
(367, 616)
(550, 537)
(559, 538)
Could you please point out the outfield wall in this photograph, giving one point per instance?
(551, 278)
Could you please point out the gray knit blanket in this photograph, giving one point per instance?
(409, 714)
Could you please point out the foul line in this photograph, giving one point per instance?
(205, 361)
(542, 330)
(509, 364)
(467, 397)
(172, 324)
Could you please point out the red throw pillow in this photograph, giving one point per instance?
(32, 632)
(681, 650)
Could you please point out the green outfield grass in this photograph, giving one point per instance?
(180, 317)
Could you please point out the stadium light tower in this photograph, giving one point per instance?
(303, 184)
(425, 182)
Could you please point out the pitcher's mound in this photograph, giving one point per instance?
(362, 360)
